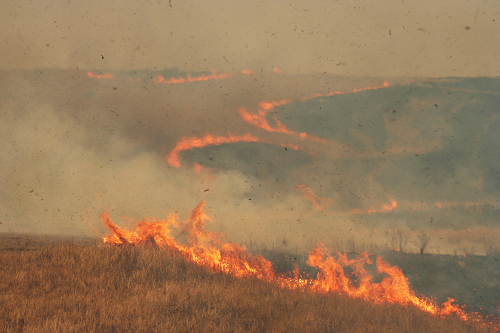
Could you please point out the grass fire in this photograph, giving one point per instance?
(260, 166)
(157, 285)
(363, 206)
(209, 250)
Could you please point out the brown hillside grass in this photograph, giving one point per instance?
(99, 288)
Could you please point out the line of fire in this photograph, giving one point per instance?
(209, 249)
(328, 166)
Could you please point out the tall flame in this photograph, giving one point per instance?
(206, 248)
(210, 250)
(394, 287)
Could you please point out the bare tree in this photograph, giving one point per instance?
(423, 238)
(398, 240)
(284, 242)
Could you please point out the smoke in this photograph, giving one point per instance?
(391, 161)
(71, 143)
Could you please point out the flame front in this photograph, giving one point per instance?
(100, 76)
(205, 248)
(383, 209)
(207, 140)
(210, 250)
(257, 119)
(394, 287)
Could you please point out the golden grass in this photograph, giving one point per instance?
(99, 288)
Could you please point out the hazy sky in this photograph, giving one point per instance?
(374, 38)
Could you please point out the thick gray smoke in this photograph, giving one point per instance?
(400, 160)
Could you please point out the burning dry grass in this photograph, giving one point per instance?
(101, 288)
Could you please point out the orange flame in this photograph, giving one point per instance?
(304, 136)
(383, 209)
(259, 120)
(197, 168)
(394, 288)
(205, 248)
(277, 71)
(248, 72)
(209, 249)
(389, 207)
(100, 76)
(448, 308)
(180, 79)
(208, 140)
(289, 145)
(269, 106)
(309, 194)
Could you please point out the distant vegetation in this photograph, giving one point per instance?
(88, 287)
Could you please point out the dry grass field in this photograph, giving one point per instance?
(61, 285)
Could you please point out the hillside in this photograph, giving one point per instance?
(70, 287)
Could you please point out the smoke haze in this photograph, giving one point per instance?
(334, 158)
(409, 155)
(357, 38)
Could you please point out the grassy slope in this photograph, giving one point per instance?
(97, 288)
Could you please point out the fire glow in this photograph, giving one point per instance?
(209, 250)
(207, 140)
(100, 76)
(319, 203)
(259, 120)
(383, 209)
